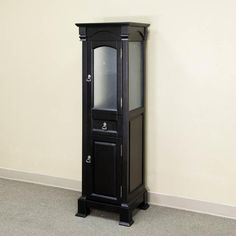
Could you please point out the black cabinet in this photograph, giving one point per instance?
(113, 118)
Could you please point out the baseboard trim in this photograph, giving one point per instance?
(154, 198)
(193, 205)
(52, 181)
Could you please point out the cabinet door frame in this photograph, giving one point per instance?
(89, 113)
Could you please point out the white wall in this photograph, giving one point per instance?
(191, 115)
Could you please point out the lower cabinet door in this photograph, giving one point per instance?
(103, 173)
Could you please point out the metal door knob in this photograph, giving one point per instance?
(89, 78)
(88, 160)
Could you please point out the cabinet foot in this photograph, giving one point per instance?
(83, 210)
(144, 205)
(126, 217)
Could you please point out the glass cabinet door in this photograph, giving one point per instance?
(105, 78)
(135, 75)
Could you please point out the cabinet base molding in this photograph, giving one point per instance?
(125, 210)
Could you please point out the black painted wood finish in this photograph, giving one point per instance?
(113, 139)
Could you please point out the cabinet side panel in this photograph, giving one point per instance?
(136, 152)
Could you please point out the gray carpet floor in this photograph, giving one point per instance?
(35, 210)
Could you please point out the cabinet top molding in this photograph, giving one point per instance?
(113, 31)
(114, 24)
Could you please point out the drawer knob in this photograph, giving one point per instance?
(104, 126)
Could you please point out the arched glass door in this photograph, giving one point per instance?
(105, 78)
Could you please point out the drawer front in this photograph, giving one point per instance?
(105, 127)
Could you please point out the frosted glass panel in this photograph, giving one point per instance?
(135, 75)
(105, 78)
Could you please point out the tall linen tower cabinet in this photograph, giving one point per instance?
(113, 118)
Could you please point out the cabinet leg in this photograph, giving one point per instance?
(83, 210)
(144, 205)
(126, 217)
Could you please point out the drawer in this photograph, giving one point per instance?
(105, 126)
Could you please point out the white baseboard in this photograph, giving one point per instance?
(154, 198)
(41, 179)
(187, 204)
